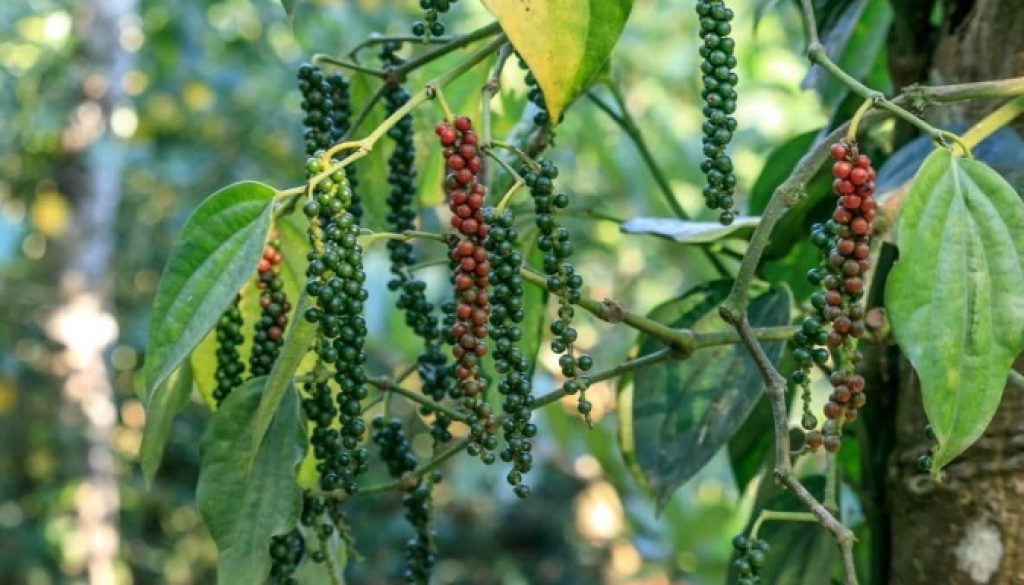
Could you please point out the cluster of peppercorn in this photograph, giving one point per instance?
(419, 312)
(750, 557)
(286, 552)
(535, 96)
(719, 95)
(274, 307)
(229, 370)
(327, 104)
(430, 26)
(509, 361)
(839, 313)
(925, 460)
(562, 280)
(397, 454)
(323, 516)
(470, 278)
(335, 280)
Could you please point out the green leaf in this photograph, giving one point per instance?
(685, 411)
(691, 232)
(160, 411)
(954, 296)
(800, 553)
(244, 507)
(564, 42)
(289, 7)
(215, 254)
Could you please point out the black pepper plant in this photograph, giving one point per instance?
(308, 427)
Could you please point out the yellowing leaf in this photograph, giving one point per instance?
(565, 42)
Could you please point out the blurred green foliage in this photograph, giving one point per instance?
(211, 100)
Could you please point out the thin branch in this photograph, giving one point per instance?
(364, 112)
(373, 40)
(625, 121)
(387, 385)
(843, 535)
(319, 58)
(656, 357)
(943, 94)
(491, 89)
(457, 42)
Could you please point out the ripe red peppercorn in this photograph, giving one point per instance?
(456, 162)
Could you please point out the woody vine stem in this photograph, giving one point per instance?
(680, 344)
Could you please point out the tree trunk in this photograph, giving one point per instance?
(969, 529)
(90, 175)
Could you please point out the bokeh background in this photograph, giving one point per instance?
(118, 116)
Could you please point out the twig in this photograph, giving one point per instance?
(491, 89)
(400, 72)
(353, 53)
(387, 385)
(843, 535)
(942, 94)
(322, 58)
(779, 516)
(628, 125)
(656, 357)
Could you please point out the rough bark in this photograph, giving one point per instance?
(969, 529)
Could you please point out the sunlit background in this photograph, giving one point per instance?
(101, 161)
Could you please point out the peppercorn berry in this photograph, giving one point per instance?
(838, 313)
(327, 103)
(230, 368)
(431, 26)
(509, 360)
(335, 280)
(396, 452)
(468, 331)
(286, 552)
(562, 280)
(432, 365)
(719, 95)
(268, 336)
(749, 559)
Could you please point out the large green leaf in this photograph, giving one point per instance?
(800, 553)
(242, 506)
(565, 42)
(215, 254)
(161, 409)
(954, 296)
(685, 411)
